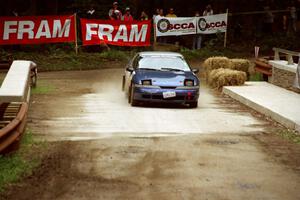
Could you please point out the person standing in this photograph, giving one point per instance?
(172, 39)
(114, 13)
(268, 21)
(171, 13)
(143, 16)
(208, 11)
(161, 39)
(197, 37)
(292, 18)
(127, 16)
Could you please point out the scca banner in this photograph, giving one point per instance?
(190, 25)
(175, 26)
(135, 33)
(212, 24)
(37, 29)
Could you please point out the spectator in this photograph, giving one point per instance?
(292, 18)
(161, 12)
(208, 11)
(143, 16)
(171, 13)
(197, 37)
(157, 10)
(127, 16)
(161, 39)
(268, 20)
(114, 13)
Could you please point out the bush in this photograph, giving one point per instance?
(218, 78)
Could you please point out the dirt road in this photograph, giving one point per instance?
(104, 149)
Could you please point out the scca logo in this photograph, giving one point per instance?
(203, 25)
(181, 26)
(164, 25)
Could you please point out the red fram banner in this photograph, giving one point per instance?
(37, 29)
(134, 33)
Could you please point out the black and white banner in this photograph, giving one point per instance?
(212, 24)
(175, 26)
(190, 25)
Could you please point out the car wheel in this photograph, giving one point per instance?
(194, 104)
(131, 97)
(123, 83)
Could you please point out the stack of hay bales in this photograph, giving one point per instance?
(226, 77)
(221, 71)
(240, 65)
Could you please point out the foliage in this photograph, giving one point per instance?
(290, 135)
(42, 88)
(65, 58)
(256, 77)
(21, 163)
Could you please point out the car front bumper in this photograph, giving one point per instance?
(155, 94)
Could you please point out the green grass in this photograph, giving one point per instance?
(290, 136)
(256, 77)
(19, 164)
(207, 52)
(68, 60)
(42, 88)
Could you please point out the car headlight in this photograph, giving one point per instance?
(188, 82)
(146, 82)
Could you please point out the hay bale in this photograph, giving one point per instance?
(226, 77)
(216, 63)
(240, 65)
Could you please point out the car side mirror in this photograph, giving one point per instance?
(130, 69)
(196, 71)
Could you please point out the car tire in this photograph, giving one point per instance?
(193, 104)
(131, 97)
(123, 83)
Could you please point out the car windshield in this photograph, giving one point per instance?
(163, 63)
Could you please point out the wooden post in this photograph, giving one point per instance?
(225, 37)
(154, 29)
(76, 39)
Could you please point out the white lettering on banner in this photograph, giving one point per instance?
(90, 31)
(105, 30)
(44, 30)
(139, 36)
(190, 25)
(123, 34)
(26, 27)
(8, 29)
(61, 32)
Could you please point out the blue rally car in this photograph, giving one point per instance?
(161, 77)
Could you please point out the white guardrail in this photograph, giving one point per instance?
(16, 84)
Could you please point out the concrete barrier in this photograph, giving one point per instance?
(16, 84)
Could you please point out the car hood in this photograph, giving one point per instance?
(164, 78)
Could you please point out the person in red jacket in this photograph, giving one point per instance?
(127, 16)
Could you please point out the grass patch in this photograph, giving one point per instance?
(290, 136)
(42, 89)
(206, 52)
(68, 60)
(19, 164)
(256, 77)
